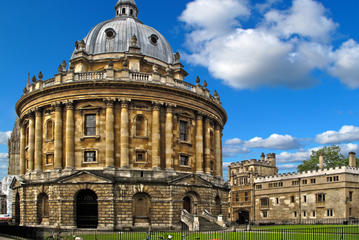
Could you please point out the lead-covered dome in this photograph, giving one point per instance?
(115, 35)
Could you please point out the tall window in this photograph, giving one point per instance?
(330, 213)
(49, 130)
(140, 126)
(42, 207)
(183, 131)
(90, 125)
(90, 156)
(320, 197)
(27, 136)
(350, 196)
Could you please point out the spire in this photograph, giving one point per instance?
(126, 8)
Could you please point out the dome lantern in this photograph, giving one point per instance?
(126, 8)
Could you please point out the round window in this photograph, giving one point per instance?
(110, 33)
(154, 39)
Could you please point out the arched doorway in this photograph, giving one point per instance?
(141, 209)
(17, 209)
(86, 209)
(243, 217)
(187, 204)
(217, 207)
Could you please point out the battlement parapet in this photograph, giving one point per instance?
(308, 174)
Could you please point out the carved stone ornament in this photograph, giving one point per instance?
(134, 41)
(198, 80)
(34, 80)
(177, 56)
(205, 84)
(41, 76)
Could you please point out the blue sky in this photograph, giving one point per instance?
(287, 71)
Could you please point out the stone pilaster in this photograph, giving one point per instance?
(110, 134)
(199, 144)
(58, 137)
(31, 142)
(38, 140)
(124, 135)
(169, 138)
(22, 149)
(156, 160)
(218, 151)
(207, 151)
(70, 136)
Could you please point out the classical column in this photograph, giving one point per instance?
(22, 149)
(31, 142)
(70, 136)
(38, 140)
(156, 160)
(110, 135)
(199, 144)
(169, 138)
(207, 151)
(58, 137)
(124, 135)
(218, 151)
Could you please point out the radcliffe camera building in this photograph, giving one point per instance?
(117, 139)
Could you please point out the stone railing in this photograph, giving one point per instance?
(136, 76)
(191, 221)
(89, 76)
(67, 77)
(214, 219)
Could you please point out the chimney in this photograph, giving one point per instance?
(352, 160)
(321, 162)
(263, 157)
(272, 159)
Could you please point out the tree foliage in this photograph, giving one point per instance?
(332, 158)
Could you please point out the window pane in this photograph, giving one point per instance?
(183, 131)
(90, 156)
(90, 125)
(184, 160)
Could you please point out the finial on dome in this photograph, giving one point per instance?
(40, 76)
(198, 80)
(126, 8)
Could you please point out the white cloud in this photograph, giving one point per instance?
(4, 137)
(287, 167)
(294, 157)
(262, 7)
(234, 150)
(275, 141)
(346, 64)
(234, 141)
(347, 148)
(282, 50)
(345, 134)
(305, 18)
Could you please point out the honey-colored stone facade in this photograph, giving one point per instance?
(126, 129)
(323, 196)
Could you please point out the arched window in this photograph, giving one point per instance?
(49, 130)
(218, 208)
(141, 205)
(17, 209)
(141, 126)
(131, 12)
(42, 207)
(123, 10)
(86, 209)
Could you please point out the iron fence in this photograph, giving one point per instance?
(255, 233)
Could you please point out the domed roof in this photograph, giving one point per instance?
(114, 36)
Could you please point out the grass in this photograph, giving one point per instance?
(290, 232)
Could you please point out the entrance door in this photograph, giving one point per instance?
(17, 209)
(187, 204)
(243, 217)
(86, 209)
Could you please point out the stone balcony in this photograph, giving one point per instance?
(122, 75)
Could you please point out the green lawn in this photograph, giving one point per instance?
(291, 232)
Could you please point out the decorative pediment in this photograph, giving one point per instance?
(85, 177)
(192, 180)
(16, 182)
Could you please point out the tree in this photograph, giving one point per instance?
(332, 158)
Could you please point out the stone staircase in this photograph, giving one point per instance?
(206, 225)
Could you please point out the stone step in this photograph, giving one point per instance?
(205, 225)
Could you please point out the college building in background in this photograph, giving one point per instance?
(117, 139)
(260, 195)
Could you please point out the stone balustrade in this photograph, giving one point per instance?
(70, 77)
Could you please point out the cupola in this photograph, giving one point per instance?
(126, 8)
